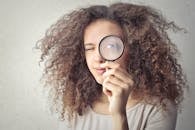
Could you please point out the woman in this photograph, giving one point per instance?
(139, 91)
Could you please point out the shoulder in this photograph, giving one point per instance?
(162, 118)
(153, 109)
(152, 116)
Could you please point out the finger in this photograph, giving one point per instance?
(120, 74)
(114, 72)
(115, 90)
(118, 71)
(111, 87)
(116, 81)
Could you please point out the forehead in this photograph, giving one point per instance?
(98, 29)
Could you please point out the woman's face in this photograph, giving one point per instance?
(93, 34)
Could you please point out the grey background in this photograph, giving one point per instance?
(23, 22)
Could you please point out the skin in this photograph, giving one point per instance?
(113, 76)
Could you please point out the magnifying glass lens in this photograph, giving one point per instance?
(111, 48)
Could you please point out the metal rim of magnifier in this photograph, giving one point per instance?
(111, 36)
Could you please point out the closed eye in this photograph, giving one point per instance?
(89, 46)
(88, 49)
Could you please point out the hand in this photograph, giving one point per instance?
(117, 86)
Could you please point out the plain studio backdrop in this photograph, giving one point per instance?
(23, 22)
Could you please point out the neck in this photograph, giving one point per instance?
(103, 98)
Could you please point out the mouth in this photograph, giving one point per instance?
(100, 70)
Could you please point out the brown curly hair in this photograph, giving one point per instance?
(153, 57)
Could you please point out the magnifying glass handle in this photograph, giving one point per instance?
(107, 67)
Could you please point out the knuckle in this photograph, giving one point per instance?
(109, 78)
(126, 86)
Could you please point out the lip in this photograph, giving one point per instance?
(100, 70)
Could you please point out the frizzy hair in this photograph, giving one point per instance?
(153, 57)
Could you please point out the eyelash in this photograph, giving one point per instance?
(88, 49)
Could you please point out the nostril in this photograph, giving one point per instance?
(102, 61)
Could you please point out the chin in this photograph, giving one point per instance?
(99, 80)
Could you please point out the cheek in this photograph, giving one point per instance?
(88, 60)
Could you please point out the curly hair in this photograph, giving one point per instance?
(153, 57)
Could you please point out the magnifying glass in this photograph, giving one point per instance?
(111, 47)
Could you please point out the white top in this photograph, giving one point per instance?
(140, 117)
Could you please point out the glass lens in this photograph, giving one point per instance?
(111, 48)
